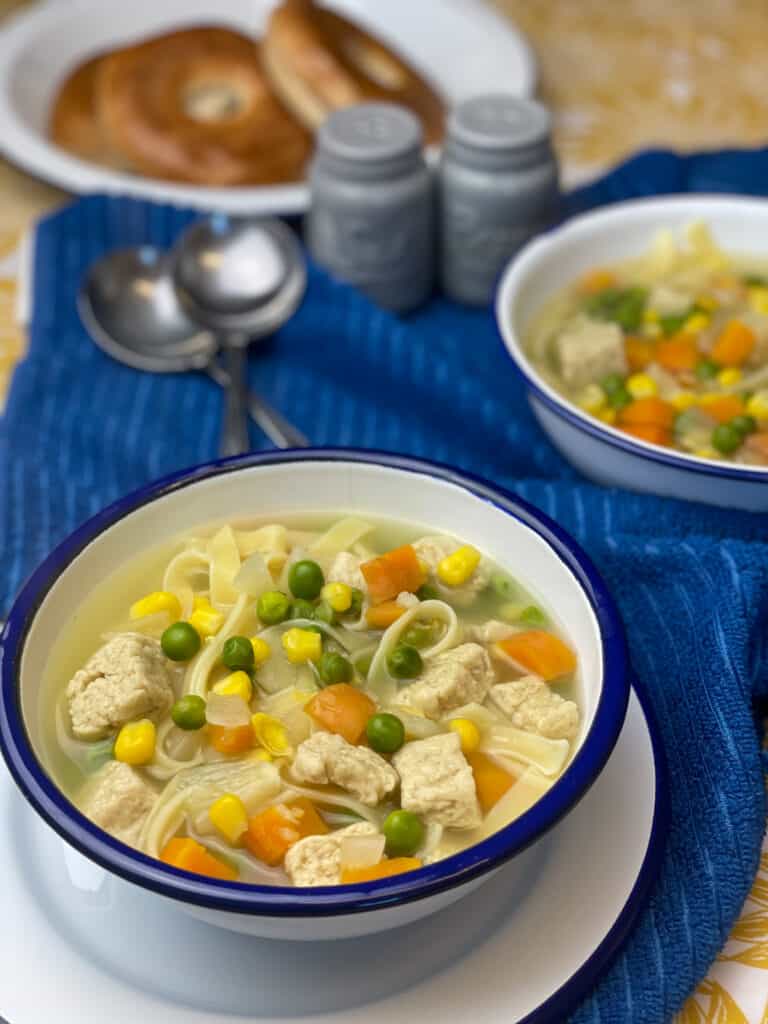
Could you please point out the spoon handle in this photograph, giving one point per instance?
(234, 438)
(278, 429)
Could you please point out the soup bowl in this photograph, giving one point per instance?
(517, 536)
(610, 235)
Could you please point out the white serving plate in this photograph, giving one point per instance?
(516, 952)
(40, 46)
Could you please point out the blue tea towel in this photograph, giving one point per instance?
(691, 581)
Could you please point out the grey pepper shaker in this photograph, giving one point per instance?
(371, 220)
(497, 186)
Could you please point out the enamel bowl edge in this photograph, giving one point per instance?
(519, 537)
(610, 234)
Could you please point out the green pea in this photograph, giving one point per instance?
(324, 613)
(363, 664)
(744, 424)
(306, 580)
(754, 280)
(180, 642)
(427, 592)
(419, 634)
(188, 712)
(503, 586)
(673, 322)
(356, 607)
(726, 438)
(238, 654)
(301, 610)
(385, 733)
(404, 662)
(403, 832)
(620, 398)
(334, 668)
(707, 369)
(612, 383)
(272, 607)
(315, 629)
(532, 616)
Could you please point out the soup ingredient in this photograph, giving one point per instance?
(323, 612)
(327, 758)
(530, 704)
(338, 596)
(678, 353)
(468, 733)
(403, 832)
(302, 645)
(238, 653)
(362, 663)
(623, 306)
(361, 851)
(541, 653)
(180, 642)
(306, 579)
(189, 712)
(420, 634)
(135, 743)
(275, 830)
(458, 676)
(503, 586)
(386, 869)
(316, 860)
(722, 408)
(744, 424)
(229, 817)
(726, 438)
(204, 618)
(271, 734)
(234, 739)
(158, 601)
(456, 568)
(381, 616)
(491, 781)
(532, 616)
(238, 684)
(124, 680)
(427, 592)
(404, 662)
(395, 572)
(734, 344)
(188, 855)
(301, 610)
(261, 650)
(385, 733)
(229, 710)
(272, 607)
(505, 741)
(342, 709)
(436, 782)
(587, 351)
(118, 800)
(334, 668)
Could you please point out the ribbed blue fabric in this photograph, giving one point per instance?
(692, 582)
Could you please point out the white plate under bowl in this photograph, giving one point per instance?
(463, 46)
(523, 948)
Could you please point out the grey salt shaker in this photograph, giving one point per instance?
(497, 187)
(371, 220)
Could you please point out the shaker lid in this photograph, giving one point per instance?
(499, 121)
(370, 133)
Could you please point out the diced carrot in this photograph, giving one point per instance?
(540, 652)
(231, 740)
(650, 432)
(639, 352)
(491, 781)
(393, 573)
(596, 280)
(189, 855)
(758, 445)
(381, 616)
(734, 345)
(645, 411)
(384, 869)
(722, 407)
(680, 352)
(272, 832)
(342, 709)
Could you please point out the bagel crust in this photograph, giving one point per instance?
(319, 62)
(73, 122)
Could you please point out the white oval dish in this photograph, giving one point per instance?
(611, 234)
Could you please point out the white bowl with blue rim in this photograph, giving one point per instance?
(518, 537)
(547, 265)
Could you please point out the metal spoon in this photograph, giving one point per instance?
(242, 279)
(128, 305)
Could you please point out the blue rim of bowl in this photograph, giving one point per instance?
(233, 897)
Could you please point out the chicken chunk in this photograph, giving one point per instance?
(533, 706)
(437, 783)
(589, 350)
(668, 301)
(432, 550)
(490, 632)
(118, 800)
(461, 675)
(316, 860)
(326, 757)
(127, 678)
(345, 568)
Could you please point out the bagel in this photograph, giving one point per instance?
(73, 123)
(318, 62)
(195, 106)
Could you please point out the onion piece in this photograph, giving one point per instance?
(227, 710)
(253, 577)
(361, 851)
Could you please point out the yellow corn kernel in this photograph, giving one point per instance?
(135, 743)
(651, 316)
(238, 684)
(652, 330)
(707, 303)
(592, 399)
(206, 620)
(757, 405)
(607, 416)
(706, 453)
(695, 323)
(683, 400)
(457, 567)
(229, 817)
(270, 733)
(729, 376)
(159, 601)
(758, 300)
(302, 645)
(642, 385)
(261, 650)
(424, 566)
(338, 596)
(260, 755)
(468, 733)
